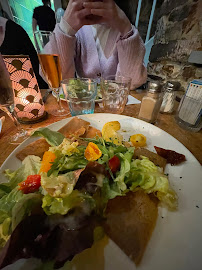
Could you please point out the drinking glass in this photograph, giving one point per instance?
(50, 65)
(80, 94)
(7, 103)
(115, 91)
(189, 113)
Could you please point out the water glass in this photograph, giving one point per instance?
(189, 114)
(115, 91)
(80, 94)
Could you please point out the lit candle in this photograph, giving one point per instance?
(29, 106)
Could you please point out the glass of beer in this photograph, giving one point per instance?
(50, 65)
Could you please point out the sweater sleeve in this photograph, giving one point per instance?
(65, 46)
(131, 53)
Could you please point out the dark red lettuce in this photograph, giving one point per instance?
(50, 238)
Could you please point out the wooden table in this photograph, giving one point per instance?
(192, 141)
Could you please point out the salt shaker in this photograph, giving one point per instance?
(169, 95)
(151, 103)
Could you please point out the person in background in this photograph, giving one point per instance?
(14, 40)
(96, 38)
(44, 17)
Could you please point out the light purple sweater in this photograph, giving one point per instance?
(79, 54)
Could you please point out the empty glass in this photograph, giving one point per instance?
(189, 114)
(80, 95)
(115, 91)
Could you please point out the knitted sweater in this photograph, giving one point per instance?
(79, 54)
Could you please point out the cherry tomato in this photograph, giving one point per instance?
(114, 164)
(92, 152)
(31, 184)
(138, 140)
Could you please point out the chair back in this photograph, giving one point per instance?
(149, 41)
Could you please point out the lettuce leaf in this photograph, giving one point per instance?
(60, 185)
(14, 207)
(52, 205)
(65, 164)
(54, 138)
(30, 166)
(4, 189)
(51, 239)
(24, 207)
(125, 168)
(7, 202)
(110, 190)
(144, 174)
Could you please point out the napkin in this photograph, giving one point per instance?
(2, 119)
(132, 100)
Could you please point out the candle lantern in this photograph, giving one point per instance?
(29, 106)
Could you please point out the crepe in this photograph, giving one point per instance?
(130, 221)
(36, 148)
(74, 128)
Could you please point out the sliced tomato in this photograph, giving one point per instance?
(31, 184)
(114, 164)
(138, 140)
(171, 156)
(48, 159)
(92, 152)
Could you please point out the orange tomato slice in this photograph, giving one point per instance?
(138, 140)
(47, 160)
(109, 132)
(92, 152)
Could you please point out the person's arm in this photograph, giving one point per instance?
(65, 45)
(65, 40)
(130, 46)
(131, 51)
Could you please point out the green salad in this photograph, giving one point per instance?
(73, 176)
(78, 84)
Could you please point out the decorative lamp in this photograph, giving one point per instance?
(29, 106)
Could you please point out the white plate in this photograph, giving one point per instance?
(61, 93)
(176, 243)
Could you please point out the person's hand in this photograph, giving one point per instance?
(76, 15)
(110, 13)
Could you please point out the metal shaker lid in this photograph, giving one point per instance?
(154, 86)
(169, 87)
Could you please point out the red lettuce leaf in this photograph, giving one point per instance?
(50, 238)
